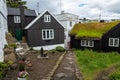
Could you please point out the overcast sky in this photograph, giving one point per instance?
(84, 8)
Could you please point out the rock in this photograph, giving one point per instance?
(68, 68)
(61, 75)
(14, 66)
(105, 78)
(68, 58)
(10, 57)
(71, 62)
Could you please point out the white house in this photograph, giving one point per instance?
(68, 20)
(3, 27)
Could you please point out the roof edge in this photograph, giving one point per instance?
(30, 24)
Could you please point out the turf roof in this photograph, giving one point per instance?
(94, 30)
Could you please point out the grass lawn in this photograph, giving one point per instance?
(91, 62)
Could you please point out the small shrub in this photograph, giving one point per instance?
(60, 49)
(21, 67)
(114, 76)
(3, 66)
(1, 74)
(13, 45)
(53, 51)
(6, 46)
(10, 62)
(31, 48)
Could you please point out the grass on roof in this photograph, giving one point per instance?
(95, 30)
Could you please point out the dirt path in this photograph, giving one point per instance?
(67, 69)
(103, 75)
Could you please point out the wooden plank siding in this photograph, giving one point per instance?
(34, 32)
(101, 44)
(113, 33)
(76, 43)
(25, 19)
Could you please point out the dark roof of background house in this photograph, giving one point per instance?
(92, 30)
(16, 11)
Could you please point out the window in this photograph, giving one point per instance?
(87, 43)
(17, 19)
(47, 18)
(47, 34)
(70, 24)
(4, 1)
(114, 42)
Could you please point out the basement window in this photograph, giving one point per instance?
(114, 42)
(87, 43)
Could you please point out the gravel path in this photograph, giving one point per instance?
(67, 69)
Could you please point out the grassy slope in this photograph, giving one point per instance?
(90, 63)
(92, 29)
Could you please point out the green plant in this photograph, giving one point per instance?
(60, 49)
(21, 67)
(31, 48)
(114, 75)
(3, 65)
(6, 46)
(1, 74)
(10, 62)
(53, 51)
(13, 45)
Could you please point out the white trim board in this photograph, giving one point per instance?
(48, 47)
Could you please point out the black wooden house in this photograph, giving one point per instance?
(45, 31)
(18, 18)
(103, 36)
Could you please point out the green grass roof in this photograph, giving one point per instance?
(94, 30)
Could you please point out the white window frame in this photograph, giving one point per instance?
(87, 43)
(47, 18)
(112, 42)
(17, 19)
(49, 34)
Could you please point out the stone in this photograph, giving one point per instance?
(71, 62)
(61, 75)
(68, 58)
(68, 68)
(40, 57)
(10, 57)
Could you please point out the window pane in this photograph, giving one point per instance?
(17, 19)
(44, 34)
(90, 43)
(87, 43)
(47, 18)
(47, 33)
(82, 43)
(116, 42)
(111, 42)
(51, 33)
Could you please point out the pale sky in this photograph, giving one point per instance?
(109, 9)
